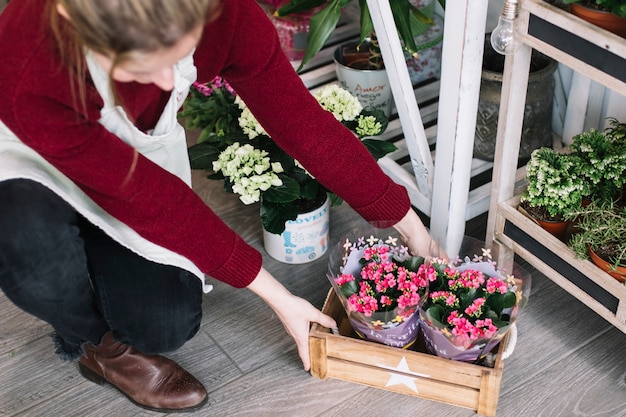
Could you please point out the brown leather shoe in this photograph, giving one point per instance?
(150, 381)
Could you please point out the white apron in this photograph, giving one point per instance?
(165, 145)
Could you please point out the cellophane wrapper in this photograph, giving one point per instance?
(379, 326)
(441, 342)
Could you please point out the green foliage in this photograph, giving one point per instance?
(617, 7)
(602, 161)
(283, 187)
(553, 182)
(410, 21)
(602, 227)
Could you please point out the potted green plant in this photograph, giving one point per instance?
(601, 161)
(409, 19)
(359, 64)
(600, 236)
(607, 14)
(554, 189)
(233, 147)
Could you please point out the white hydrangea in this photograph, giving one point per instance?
(343, 105)
(249, 170)
(248, 123)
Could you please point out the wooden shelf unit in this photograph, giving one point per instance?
(599, 55)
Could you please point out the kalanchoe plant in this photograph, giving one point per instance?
(377, 282)
(601, 161)
(468, 302)
(553, 183)
(234, 147)
(387, 282)
(470, 305)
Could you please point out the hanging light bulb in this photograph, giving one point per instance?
(503, 38)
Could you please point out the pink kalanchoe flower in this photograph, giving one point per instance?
(428, 272)
(475, 309)
(203, 88)
(343, 279)
(495, 284)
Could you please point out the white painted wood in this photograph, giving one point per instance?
(614, 106)
(458, 105)
(559, 105)
(576, 107)
(513, 97)
(404, 98)
(593, 117)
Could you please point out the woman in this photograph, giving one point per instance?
(101, 234)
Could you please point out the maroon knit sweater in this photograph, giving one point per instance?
(242, 46)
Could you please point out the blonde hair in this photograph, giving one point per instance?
(120, 29)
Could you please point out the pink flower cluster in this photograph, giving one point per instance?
(215, 84)
(383, 285)
(465, 332)
(463, 299)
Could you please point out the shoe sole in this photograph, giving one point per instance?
(98, 379)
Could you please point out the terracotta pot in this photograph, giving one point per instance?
(556, 228)
(605, 20)
(619, 273)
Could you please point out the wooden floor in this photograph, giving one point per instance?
(568, 361)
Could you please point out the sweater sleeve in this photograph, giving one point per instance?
(256, 67)
(41, 108)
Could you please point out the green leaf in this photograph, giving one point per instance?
(274, 216)
(321, 26)
(379, 148)
(367, 26)
(202, 155)
(402, 18)
(349, 288)
(286, 193)
(335, 200)
(436, 313)
(509, 299)
(298, 6)
(413, 263)
(309, 190)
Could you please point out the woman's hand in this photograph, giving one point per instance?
(417, 237)
(294, 312)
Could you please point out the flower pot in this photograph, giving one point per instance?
(429, 47)
(605, 20)
(401, 336)
(304, 239)
(438, 342)
(293, 31)
(557, 228)
(370, 86)
(618, 273)
(537, 124)
(355, 272)
(450, 332)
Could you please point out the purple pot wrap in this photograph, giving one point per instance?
(400, 336)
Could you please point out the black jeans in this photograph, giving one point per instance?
(57, 266)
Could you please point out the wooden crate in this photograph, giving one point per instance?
(412, 371)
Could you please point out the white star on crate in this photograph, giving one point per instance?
(401, 377)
